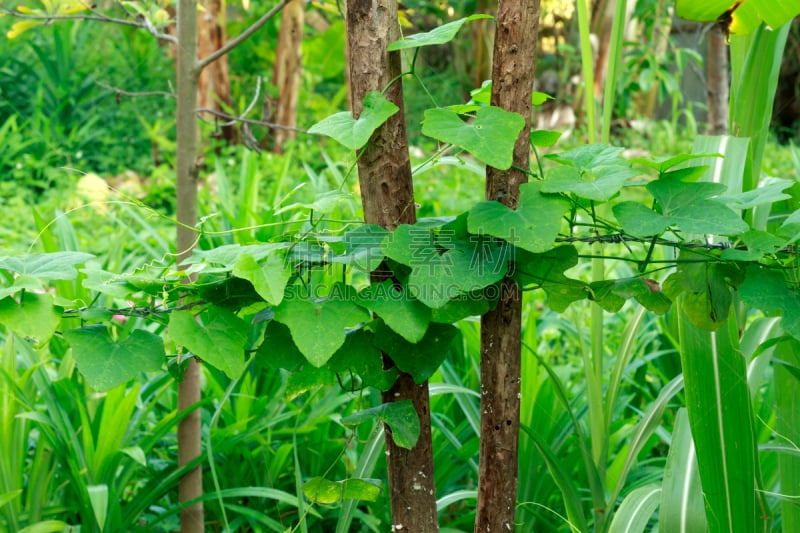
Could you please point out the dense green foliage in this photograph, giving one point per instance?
(293, 437)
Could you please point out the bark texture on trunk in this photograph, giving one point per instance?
(718, 82)
(512, 75)
(213, 83)
(189, 429)
(288, 67)
(387, 195)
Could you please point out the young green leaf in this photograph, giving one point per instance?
(490, 137)
(106, 363)
(439, 35)
(544, 138)
(400, 416)
(324, 491)
(34, 316)
(533, 226)
(268, 280)
(353, 133)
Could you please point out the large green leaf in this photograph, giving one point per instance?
(219, 339)
(743, 15)
(400, 416)
(318, 328)
(34, 316)
(599, 184)
(439, 35)
(767, 290)
(363, 247)
(692, 208)
(106, 362)
(447, 264)
(421, 359)
(32, 271)
(56, 265)
(355, 133)
(721, 418)
(278, 349)
(533, 226)
(490, 137)
(406, 315)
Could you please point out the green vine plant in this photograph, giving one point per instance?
(306, 304)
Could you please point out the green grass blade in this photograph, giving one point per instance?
(636, 510)
(755, 66)
(563, 479)
(645, 429)
(367, 460)
(788, 428)
(721, 418)
(681, 508)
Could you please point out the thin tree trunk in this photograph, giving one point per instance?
(512, 75)
(718, 82)
(288, 67)
(387, 195)
(189, 429)
(213, 84)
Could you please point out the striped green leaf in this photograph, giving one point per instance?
(787, 378)
(681, 508)
(636, 510)
(721, 419)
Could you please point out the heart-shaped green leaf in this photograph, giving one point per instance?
(404, 314)
(449, 263)
(533, 226)
(600, 184)
(490, 137)
(318, 328)
(355, 133)
(220, 339)
(106, 363)
(439, 35)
